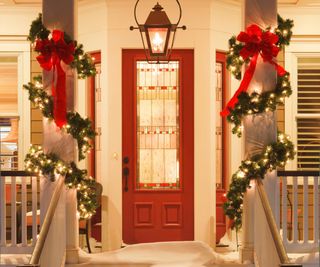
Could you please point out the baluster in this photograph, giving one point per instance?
(2, 211)
(305, 210)
(295, 209)
(23, 211)
(315, 210)
(13, 212)
(34, 210)
(277, 204)
(284, 210)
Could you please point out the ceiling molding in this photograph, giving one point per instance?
(302, 38)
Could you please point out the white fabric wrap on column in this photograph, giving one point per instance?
(53, 253)
(259, 130)
(60, 14)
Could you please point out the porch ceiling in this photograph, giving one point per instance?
(281, 2)
(295, 2)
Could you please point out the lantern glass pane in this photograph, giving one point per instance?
(157, 39)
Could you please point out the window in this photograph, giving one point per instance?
(9, 119)
(9, 143)
(308, 113)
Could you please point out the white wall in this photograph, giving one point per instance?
(222, 30)
(104, 25)
(306, 19)
(17, 20)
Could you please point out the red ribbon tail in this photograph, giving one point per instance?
(280, 70)
(243, 86)
(53, 89)
(60, 102)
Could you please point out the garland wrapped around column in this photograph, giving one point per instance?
(56, 49)
(245, 49)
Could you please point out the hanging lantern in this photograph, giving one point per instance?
(157, 31)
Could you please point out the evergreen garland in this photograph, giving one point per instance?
(82, 61)
(276, 154)
(38, 162)
(235, 61)
(256, 103)
(80, 129)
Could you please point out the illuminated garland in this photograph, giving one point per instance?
(257, 103)
(82, 61)
(276, 154)
(51, 165)
(235, 61)
(79, 128)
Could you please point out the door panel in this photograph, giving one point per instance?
(157, 136)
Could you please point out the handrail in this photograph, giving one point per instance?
(35, 257)
(284, 259)
(17, 173)
(298, 173)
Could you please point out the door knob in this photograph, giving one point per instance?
(125, 160)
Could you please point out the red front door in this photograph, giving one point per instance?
(157, 148)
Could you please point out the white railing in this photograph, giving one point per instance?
(18, 204)
(300, 210)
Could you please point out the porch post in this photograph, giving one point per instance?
(61, 245)
(261, 129)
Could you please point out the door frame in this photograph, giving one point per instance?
(220, 192)
(129, 80)
(91, 113)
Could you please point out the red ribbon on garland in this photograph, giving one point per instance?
(52, 52)
(257, 43)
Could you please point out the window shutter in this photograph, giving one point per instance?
(308, 117)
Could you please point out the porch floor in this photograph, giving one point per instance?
(164, 254)
(10, 260)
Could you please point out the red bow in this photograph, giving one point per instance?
(256, 43)
(52, 52)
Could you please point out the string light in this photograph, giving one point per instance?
(257, 103)
(80, 129)
(274, 155)
(50, 165)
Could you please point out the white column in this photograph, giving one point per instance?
(261, 129)
(62, 242)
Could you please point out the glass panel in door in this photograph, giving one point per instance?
(158, 126)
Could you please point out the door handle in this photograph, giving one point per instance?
(125, 173)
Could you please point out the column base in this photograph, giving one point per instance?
(246, 254)
(72, 255)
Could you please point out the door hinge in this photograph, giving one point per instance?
(98, 139)
(98, 94)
